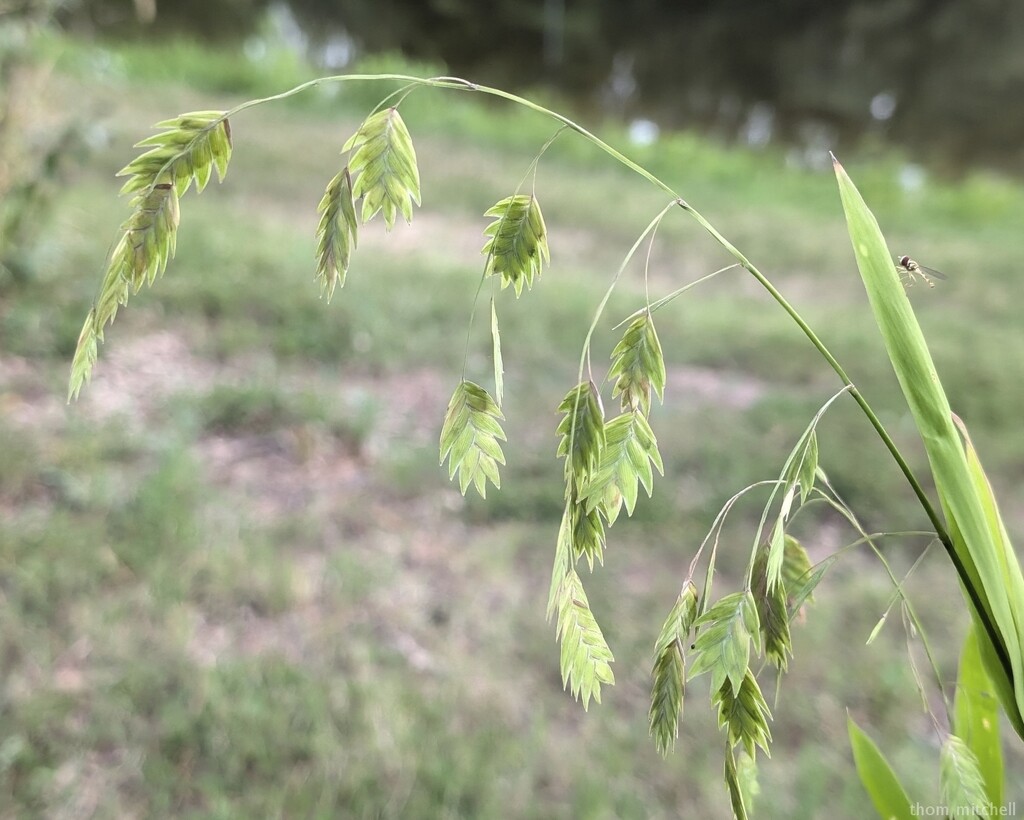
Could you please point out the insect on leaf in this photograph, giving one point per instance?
(990, 576)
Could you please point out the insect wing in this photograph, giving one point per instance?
(934, 274)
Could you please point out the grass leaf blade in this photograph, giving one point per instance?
(887, 794)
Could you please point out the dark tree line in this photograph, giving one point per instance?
(953, 68)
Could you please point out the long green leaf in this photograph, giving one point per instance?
(887, 795)
(991, 578)
(977, 716)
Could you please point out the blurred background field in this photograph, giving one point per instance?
(234, 581)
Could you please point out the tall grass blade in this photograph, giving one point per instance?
(976, 719)
(887, 794)
(989, 573)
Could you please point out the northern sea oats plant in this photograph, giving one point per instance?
(733, 637)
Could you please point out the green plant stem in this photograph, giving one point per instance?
(459, 84)
(464, 85)
(839, 505)
(930, 511)
(456, 83)
(584, 356)
(926, 505)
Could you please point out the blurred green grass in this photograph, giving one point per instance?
(234, 580)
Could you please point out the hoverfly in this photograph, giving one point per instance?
(907, 268)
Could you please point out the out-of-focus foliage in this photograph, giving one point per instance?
(34, 147)
(210, 19)
(950, 69)
(936, 78)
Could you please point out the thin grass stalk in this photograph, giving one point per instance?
(464, 85)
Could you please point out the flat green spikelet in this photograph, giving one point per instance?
(585, 656)
(669, 673)
(383, 167)
(582, 440)
(517, 247)
(772, 612)
(187, 150)
(744, 714)
(469, 438)
(86, 352)
(336, 234)
(638, 365)
(796, 566)
(588, 536)
(960, 779)
(723, 642)
(582, 433)
(629, 452)
(740, 810)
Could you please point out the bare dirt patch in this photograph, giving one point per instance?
(138, 374)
